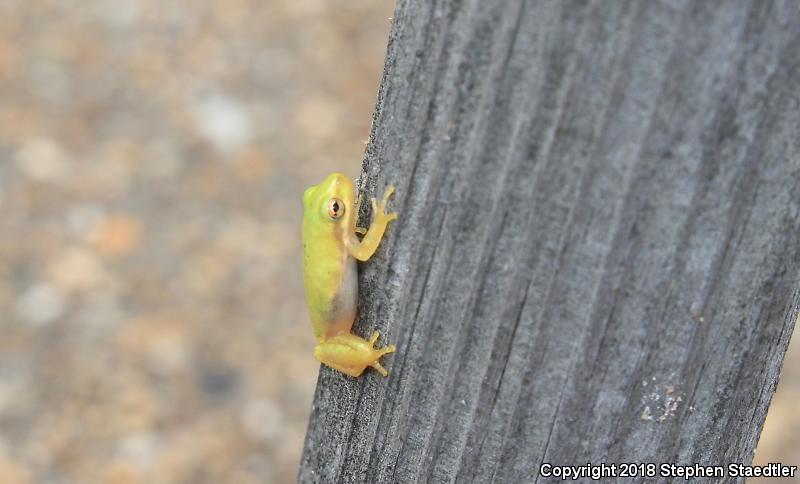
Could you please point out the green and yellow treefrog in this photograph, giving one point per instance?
(330, 250)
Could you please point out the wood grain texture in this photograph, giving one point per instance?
(598, 250)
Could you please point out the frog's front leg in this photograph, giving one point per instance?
(363, 249)
(352, 354)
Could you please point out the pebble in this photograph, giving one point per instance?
(223, 120)
(42, 159)
(263, 419)
(40, 305)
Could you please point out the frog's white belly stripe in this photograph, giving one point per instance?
(342, 310)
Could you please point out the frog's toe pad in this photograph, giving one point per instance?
(380, 369)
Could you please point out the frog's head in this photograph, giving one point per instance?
(332, 200)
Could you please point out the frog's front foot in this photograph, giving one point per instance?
(379, 210)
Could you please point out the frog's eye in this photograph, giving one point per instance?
(335, 208)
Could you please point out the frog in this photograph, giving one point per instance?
(331, 249)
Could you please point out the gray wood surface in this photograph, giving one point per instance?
(598, 250)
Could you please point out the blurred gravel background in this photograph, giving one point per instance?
(152, 158)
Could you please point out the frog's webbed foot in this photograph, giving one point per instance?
(361, 230)
(375, 335)
(380, 369)
(383, 351)
(380, 352)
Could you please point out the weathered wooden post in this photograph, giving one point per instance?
(598, 252)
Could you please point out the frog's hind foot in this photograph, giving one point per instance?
(379, 352)
(387, 350)
(379, 368)
(374, 339)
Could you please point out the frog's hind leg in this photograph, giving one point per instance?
(353, 371)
